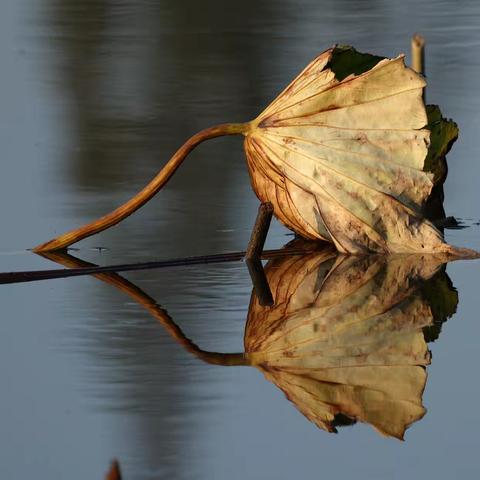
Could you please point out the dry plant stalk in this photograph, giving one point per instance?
(340, 153)
(418, 54)
(114, 472)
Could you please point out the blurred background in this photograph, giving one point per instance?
(95, 96)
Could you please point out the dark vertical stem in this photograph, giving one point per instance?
(259, 232)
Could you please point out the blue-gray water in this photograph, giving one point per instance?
(94, 98)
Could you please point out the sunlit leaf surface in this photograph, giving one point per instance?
(346, 154)
(341, 154)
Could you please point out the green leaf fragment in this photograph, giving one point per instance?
(443, 133)
(346, 61)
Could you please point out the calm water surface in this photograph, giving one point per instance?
(95, 96)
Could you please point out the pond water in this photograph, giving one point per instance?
(95, 96)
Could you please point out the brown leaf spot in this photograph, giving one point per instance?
(361, 138)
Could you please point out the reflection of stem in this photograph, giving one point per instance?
(146, 194)
(260, 282)
(147, 302)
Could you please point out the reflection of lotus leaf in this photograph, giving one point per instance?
(345, 337)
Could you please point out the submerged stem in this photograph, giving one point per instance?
(144, 195)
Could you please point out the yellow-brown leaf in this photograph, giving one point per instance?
(343, 160)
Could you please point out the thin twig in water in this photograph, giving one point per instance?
(35, 275)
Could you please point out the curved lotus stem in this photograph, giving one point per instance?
(144, 195)
(143, 299)
(345, 154)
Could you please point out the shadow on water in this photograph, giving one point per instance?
(346, 338)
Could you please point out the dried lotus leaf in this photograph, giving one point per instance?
(347, 153)
(355, 145)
